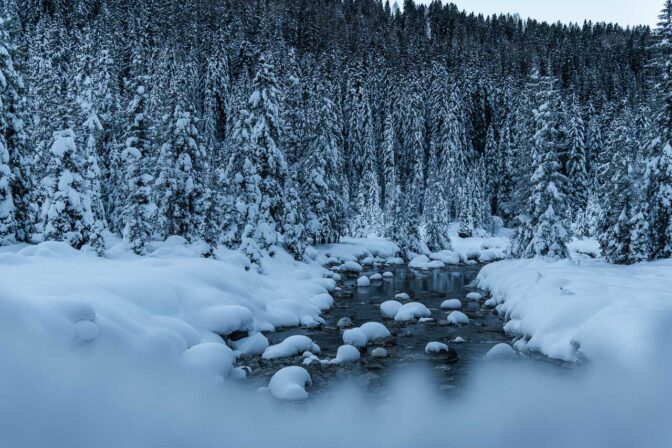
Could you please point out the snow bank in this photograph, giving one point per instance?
(370, 250)
(160, 305)
(593, 310)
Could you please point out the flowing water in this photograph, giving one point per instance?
(406, 347)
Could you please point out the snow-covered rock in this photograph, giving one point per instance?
(291, 346)
(447, 257)
(344, 322)
(322, 301)
(388, 274)
(379, 352)
(433, 348)
(412, 311)
(290, 383)
(402, 296)
(351, 266)
(355, 337)
(501, 351)
(451, 304)
(210, 358)
(252, 345)
(390, 308)
(474, 296)
(376, 277)
(423, 262)
(363, 281)
(459, 340)
(346, 353)
(458, 318)
(368, 332)
(368, 261)
(394, 261)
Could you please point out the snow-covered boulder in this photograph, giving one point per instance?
(363, 281)
(474, 296)
(451, 304)
(252, 345)
(388, 274)
(418, 262)
(322, 301)
(355, 337)
(226, 319)
(434, 348)
(402, 296)
(412, 311)
(368, 332)
(344, 322)
(210, 358)
(291, 346)
(375, 331)
(501, 351)
(459, 340)
(394, 261)
(458, 318)
(290, 383)
(376, 278)
(390, 308)
(368, 261)
(351, 266)
(346, 353)
(447, 257)
(379, 352)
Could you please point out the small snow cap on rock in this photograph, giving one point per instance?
(290, 383)
(379, 352)
(412, 311)
(346, 353)
(435, 348)
(363, 281)
(344, 322)
(402, 296)
(390, 308)
(291, 346)
(458, 318)
(501, 351)
(474, 296)
(451, 304)
(376, 277)
(388, 274)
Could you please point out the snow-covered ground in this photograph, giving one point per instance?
(590, 309)
(128, 351)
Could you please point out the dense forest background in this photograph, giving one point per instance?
(248, 122)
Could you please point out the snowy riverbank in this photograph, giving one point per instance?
(593, 310)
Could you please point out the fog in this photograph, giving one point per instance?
(61, 397)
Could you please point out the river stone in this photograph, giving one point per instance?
(379, 352)
(344, 322)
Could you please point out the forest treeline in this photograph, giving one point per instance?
(251, 122)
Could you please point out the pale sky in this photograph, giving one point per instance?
(625, 12)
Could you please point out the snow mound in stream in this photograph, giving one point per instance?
(291, 346)
(412, 311)
(290, 383)
(368, 332)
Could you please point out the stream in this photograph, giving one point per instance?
(406, 347)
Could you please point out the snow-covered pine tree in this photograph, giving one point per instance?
(182, 177)
(16, 186)
(321, 190)
(366, 216)
(414, 142)
(257, 169)
(66, 212)
(443, 128)
(576, 163)
(544, 228)
(659, 174)
(137, 211)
